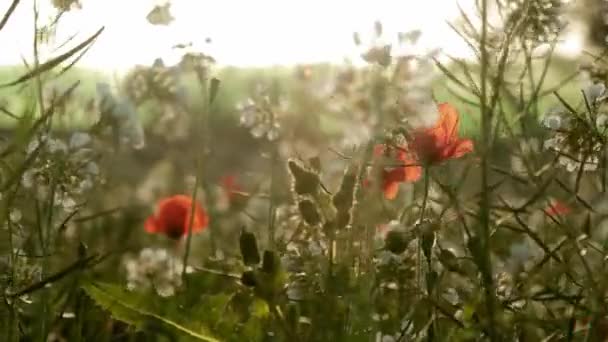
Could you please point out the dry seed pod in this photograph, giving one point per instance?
(309, 212)
(305, 181)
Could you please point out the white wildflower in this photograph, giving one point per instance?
(85, 185)
(154, 268)
(259, 130)
(35, 143)
(79, 139)
(68, 204)
(602, 121)
(552, 122)
(15, 215)
(595, 93)
(273, 132)
(56, 145)
(27, 178)
(92, 168)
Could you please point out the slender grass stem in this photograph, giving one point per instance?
(205, 157)
(272, 202)
(191, 220)
(419, 271)
(420, 220)
(486, 129)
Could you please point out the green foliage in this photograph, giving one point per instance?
(137, 310)
(501, 237)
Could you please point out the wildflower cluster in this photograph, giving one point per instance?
(578, 138)
(539, 20)
(118, 118)
(63, 172)
(154, 268)
(155, 82)
(261, 115)
(398, 79)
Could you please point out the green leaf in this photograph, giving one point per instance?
(54, 62)
(121, 304)
(259, 308)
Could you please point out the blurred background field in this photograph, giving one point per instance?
(284, 121)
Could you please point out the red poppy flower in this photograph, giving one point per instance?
(406, 169)
(230, 186)
(557, 208)
(173, 215)
(426, 146)
(441, 142)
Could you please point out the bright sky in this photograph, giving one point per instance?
(243, 32)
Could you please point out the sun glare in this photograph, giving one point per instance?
(242, 32)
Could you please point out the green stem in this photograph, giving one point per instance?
(207, 151)
(419, 271)
(272, 205)
(191, 221)
(276, 311)
(486, 127)
(420, 220)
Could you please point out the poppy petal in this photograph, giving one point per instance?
(151, 225)
(201, 220)
(390, 189)
(446, 129)
(460, 148)
(412, 173)
(173, 217)
(379, 150)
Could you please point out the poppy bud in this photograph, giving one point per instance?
(82, 250)
(315, 163)
(343, 199)
(249, 248)
(356, 39)
(270, 263)
(378, 28)
(343, 219)
(271, 280)
(309, 212)
(305, 181)
(248, 278)
(431, 279)
(428, 240)
(396, 241)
